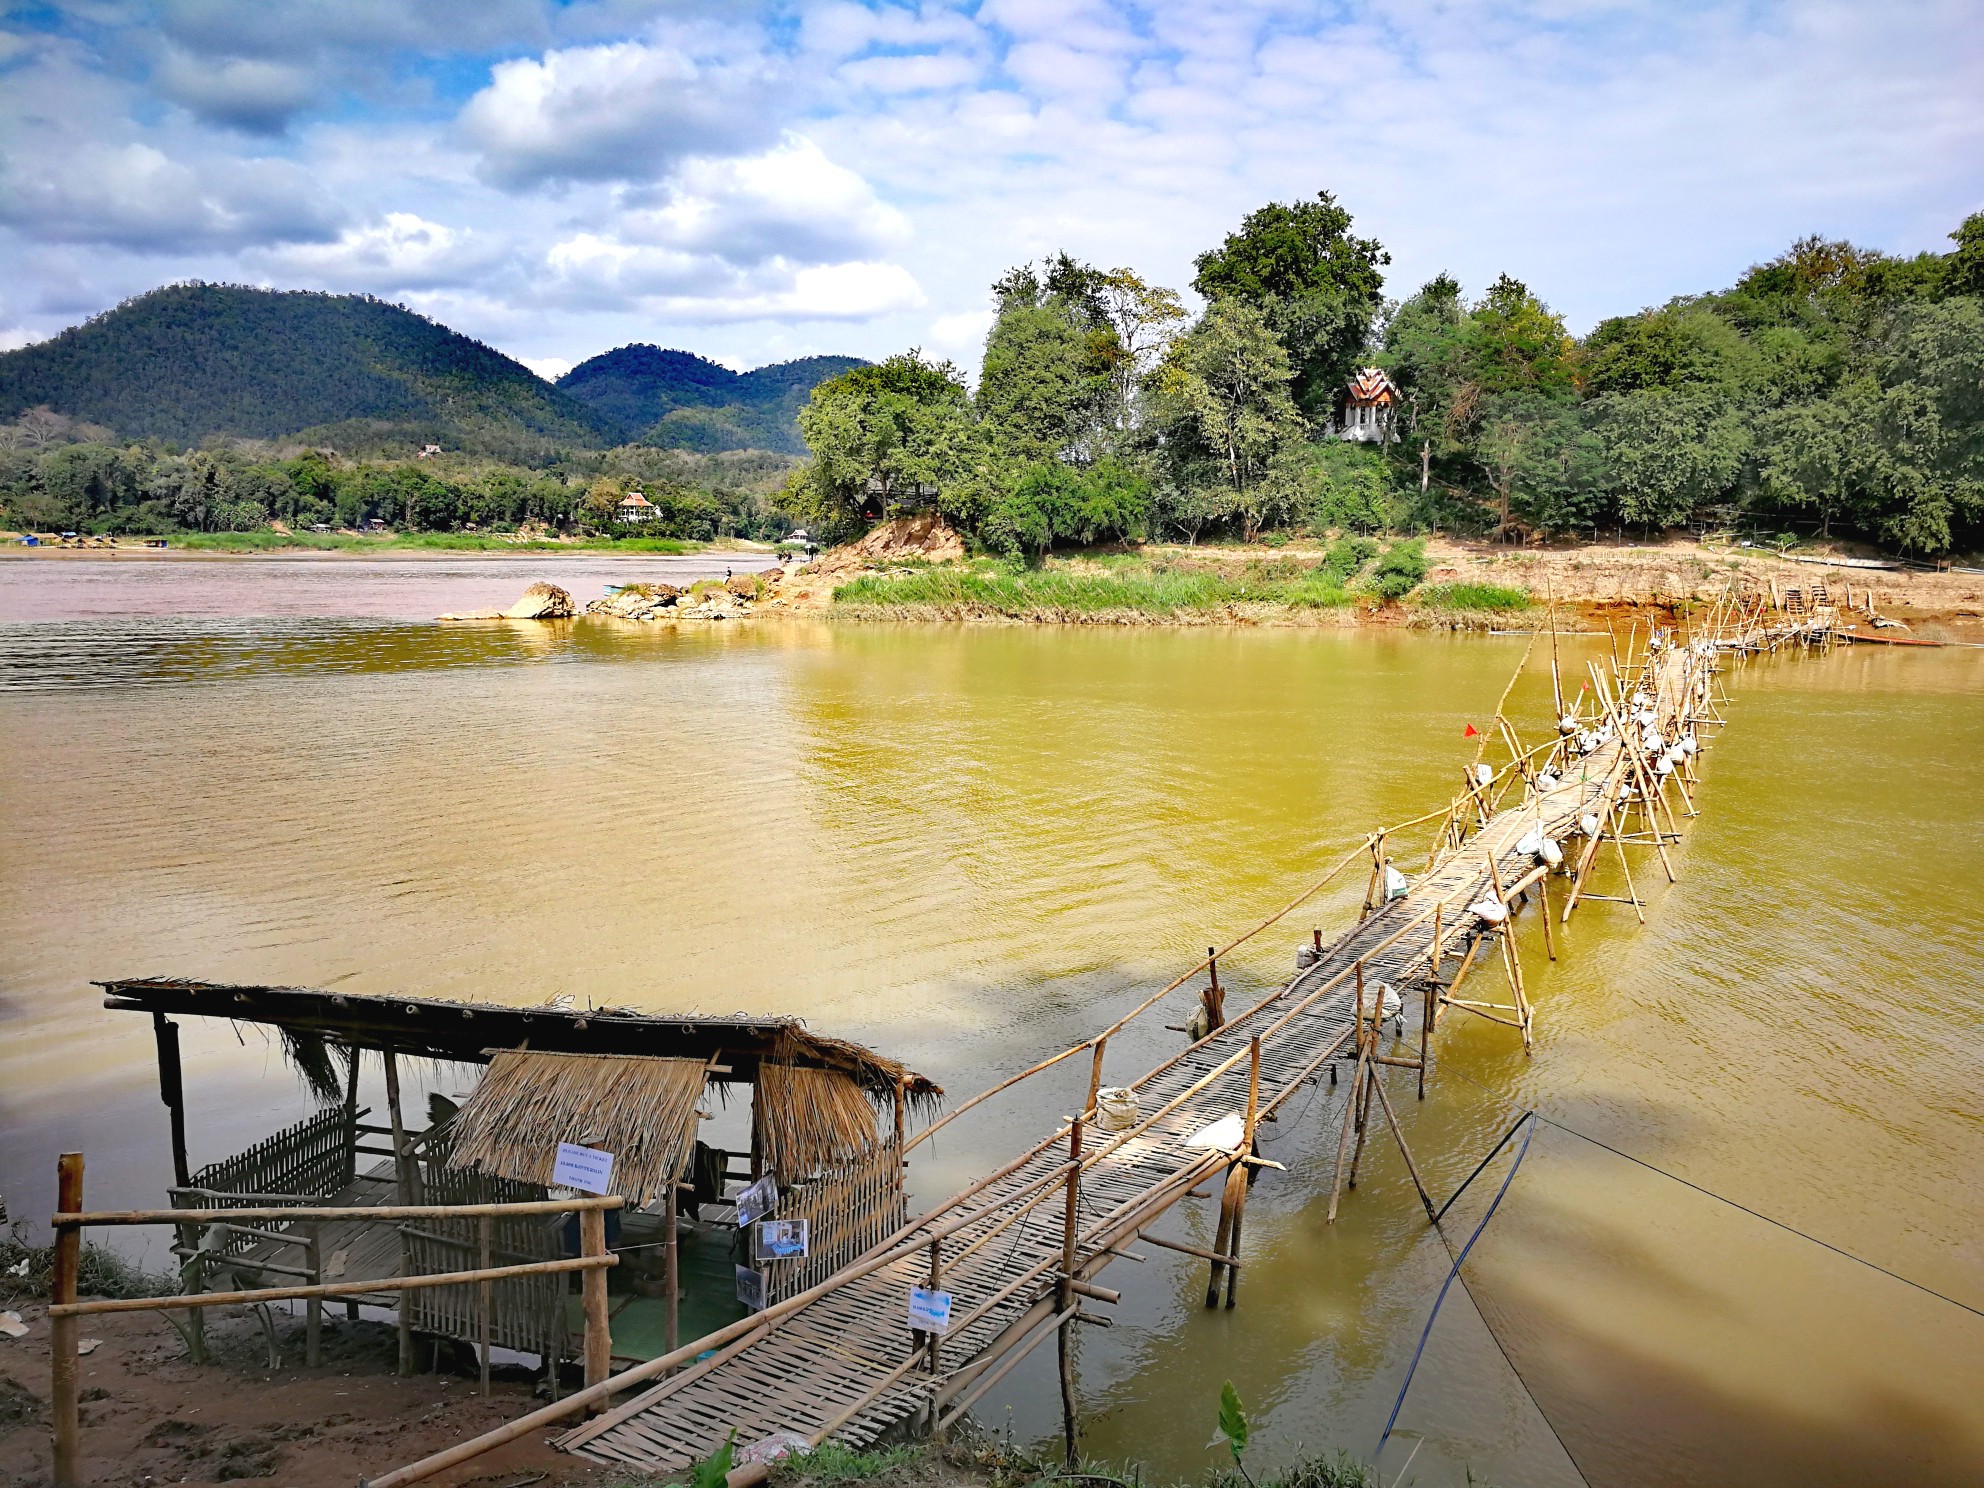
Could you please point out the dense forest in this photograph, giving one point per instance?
(1833, 391)
(677, 400)
(202, 407)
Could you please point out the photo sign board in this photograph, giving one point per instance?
(587, 1169)
(757, 1201)
(751, 1289)
(929, 1311)
(781, 1239)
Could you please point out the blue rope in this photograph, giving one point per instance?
(1529, 1130)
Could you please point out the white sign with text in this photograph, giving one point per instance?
(585, 1168)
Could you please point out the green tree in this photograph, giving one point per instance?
(1045, 389)
(1670, 453)
(1318, 285)
(1223, 411)
(1964, 269)
(898, 435)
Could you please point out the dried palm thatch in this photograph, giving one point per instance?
(641, 1109)
(808, 1119)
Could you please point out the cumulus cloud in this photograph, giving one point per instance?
(256, 96)
(401, 251)
(595, 271)
(625, 111)
(791, 203)
(135, 196)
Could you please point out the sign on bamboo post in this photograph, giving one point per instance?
(63, 1393)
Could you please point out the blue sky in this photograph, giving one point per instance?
(757, 184)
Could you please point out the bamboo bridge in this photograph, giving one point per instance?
(1020, 1251)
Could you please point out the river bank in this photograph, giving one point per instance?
(1451, 586)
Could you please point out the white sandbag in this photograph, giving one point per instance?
(1530, 843)
(1567, 725)
(1551, 853)
(1488, 911)
(1482, 774)
(1689, 744)
(1546, 782)
(1589, 821)
(1395, 884)
(1116, 1108)
(1666, 766)
(1388, 1001)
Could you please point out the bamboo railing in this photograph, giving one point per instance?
(71, 1220)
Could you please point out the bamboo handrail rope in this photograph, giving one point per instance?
(370, 1211)
(1294, 904)
(329, 1289)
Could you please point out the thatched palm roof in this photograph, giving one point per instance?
(643, 1111)
(431, 1028)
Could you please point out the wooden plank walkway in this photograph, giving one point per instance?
(844, 1367)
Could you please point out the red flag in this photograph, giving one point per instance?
(1470, 732)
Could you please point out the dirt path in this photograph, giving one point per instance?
(150, 1417)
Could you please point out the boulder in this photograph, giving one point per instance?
(541, 602)
(636, 602)
(744, 585)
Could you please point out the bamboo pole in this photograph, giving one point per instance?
(484, 1237)
(1509, 952)
(671, 1273)
(64, 1394)
(1404, 1151)
(1239, 1174)
(172, 1090)
(313, 1310)
(599, 1326)
(1066, 1305)
(328, 1289)
(524, 1209)
(403, 1187)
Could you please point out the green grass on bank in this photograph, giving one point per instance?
(988, 587)
(1498, 597)
(265, 541)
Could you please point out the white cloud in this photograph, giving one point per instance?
(549, 368)
(136, 197)
(594, 271)
(791, 203)
(625, 111)
(401, 251)
(921, 72)
(243, 93)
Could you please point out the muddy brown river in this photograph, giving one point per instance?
(972, 846)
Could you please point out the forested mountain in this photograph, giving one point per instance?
(677, 400)
(189, 361)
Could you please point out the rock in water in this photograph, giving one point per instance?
(541, 602)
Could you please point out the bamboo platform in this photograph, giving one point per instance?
(845, 1367)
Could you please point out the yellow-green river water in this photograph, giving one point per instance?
(972, 846)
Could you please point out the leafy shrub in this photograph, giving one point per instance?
(1400, 571)
(1347, 555)
(1475, 597)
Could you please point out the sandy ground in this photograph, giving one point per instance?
(151, 1417)
(1596, 583)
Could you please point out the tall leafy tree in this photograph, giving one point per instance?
(899, 434)
(1223, 413)
(1318, 286)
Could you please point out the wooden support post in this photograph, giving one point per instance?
(485, 1231)
(934, 1342)
(1240, 1174)
(671, 1269)
(1391, 1119)
(64, 1393)
(313, 1310)
(1094, 1076)
(1373, 888)
(404, 1187)
(1214, 995)
(1070, 1432)
(1426, 1031)
(172, 1091)
(1543, 888)
(1514, 966)
(599, 1326)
